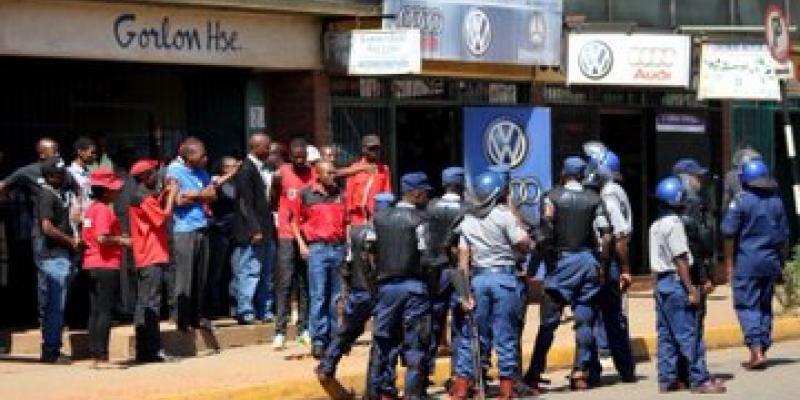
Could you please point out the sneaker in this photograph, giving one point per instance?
(279, 342)
(709, 387)
(304, 339)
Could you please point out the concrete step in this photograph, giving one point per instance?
(122, 344)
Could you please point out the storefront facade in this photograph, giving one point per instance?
(130, 70)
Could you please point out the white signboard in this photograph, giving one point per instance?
(176, 35)
(385, 52)
(738, 71)
(629, 60)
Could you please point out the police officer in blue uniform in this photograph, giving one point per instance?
(676, 297)
(443, 213)
(492, 238)
(696, 217)
(402, 312)
(612, 330)
(360, 300)
(573, 214)
(756, 233)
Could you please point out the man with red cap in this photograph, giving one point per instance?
(149, 212)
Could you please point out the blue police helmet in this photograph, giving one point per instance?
(488, 186)
(383, 200)
(755, 173)
(670, 190)
(612, 162)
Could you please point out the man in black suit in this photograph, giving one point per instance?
(253, 226)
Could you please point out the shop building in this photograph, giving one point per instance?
(214, 69)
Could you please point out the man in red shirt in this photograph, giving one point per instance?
(362, 187)
(320, 234)
(290, 180)
(149, 213)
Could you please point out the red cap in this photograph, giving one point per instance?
(106, 178)
(142, 166)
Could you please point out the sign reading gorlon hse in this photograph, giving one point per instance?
(129, 32)
(211, 37)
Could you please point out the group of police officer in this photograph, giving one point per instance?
(419, 260)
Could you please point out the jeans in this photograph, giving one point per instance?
(248, 263)
(103, 294)
(54, 276)
(324, 290)
(191, 268)
(148, 306)
(292, 276)
(549, 320)
(264, 301)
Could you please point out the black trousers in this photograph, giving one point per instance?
(148, 305)
(292, 277)
(191, 269)
(103, 292)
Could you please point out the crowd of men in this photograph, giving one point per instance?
(303, 230)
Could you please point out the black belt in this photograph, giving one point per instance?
(668, 274)
(507, 269)
(326, 242)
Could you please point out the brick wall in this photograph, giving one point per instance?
(298, 106)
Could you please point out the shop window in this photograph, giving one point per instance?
(594, 10)
(706, 12)
(644, 13)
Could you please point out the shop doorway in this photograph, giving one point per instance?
(625, 132)
(429, 139)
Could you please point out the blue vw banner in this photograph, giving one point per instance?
(518, 137)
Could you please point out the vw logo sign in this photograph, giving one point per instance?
(595, 60)
(505, 142)
(526, 190)
(477, 32)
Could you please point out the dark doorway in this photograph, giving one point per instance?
(623, 131)
(428, 140)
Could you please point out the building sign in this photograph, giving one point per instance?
(497, 31)
(373, 52)
(128, 32)
(629, 60)
(680, 123)
(515, 136)
(737, 71)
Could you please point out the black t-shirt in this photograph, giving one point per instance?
(54, 206)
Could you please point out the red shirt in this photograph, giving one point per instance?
(100, 220)
(361, 189)
(289, 204)
(149, 233)
(322, 218)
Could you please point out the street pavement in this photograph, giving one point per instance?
(258, 372)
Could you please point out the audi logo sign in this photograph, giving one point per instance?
(629, 60)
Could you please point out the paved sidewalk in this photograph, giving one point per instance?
(258, 372)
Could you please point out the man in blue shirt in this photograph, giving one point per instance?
(190, 231)
(756, 232)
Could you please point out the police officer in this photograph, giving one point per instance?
(756, 231)
(573, 214)
(402, 313)
(676, 297)
(360, 299)
(443, 213)
(491, 239)
(732, 185)
(612, 330)
(696, 218)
